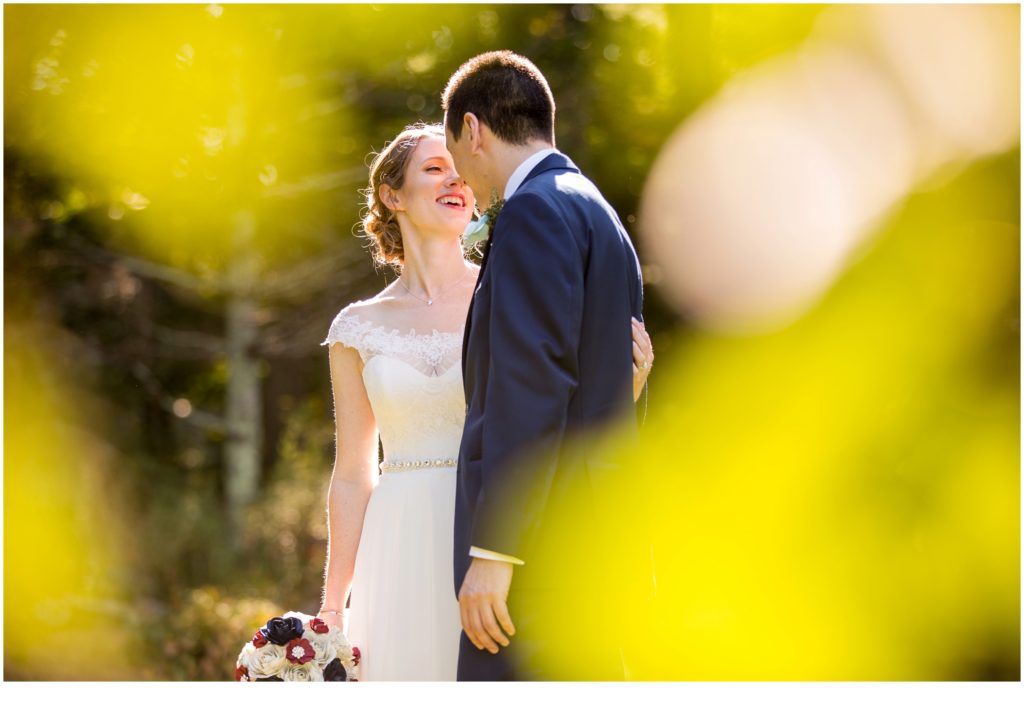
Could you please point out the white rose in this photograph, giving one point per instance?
(308, 672)
(245, 655)
(322, 649)
(340, 642)
(267, 661)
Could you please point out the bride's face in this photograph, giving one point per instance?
(434, 196)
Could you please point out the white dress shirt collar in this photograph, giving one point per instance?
(520, 173)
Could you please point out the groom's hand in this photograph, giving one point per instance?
(482, 604)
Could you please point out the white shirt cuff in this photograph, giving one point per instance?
(491, 555)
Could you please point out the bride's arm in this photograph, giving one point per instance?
(353, 478)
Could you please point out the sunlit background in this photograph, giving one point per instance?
(826, 203)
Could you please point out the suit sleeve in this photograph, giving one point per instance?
(536, 277)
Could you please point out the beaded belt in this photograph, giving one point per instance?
(405, 466)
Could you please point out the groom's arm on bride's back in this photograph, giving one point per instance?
(536, 271)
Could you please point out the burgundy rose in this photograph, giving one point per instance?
(356, 654)
(319, 625)
(241, 672)
(259, 640)
(299, 651)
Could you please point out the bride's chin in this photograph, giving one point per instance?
(456, 229)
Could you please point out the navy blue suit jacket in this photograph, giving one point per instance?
(547, 357)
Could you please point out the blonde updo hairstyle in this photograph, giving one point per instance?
(380, 225)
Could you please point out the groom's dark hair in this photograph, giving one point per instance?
(507, 93)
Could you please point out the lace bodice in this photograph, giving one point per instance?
(431, 353)
(414, 382)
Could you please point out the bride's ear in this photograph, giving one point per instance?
(389, 196)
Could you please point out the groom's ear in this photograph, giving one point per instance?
(471, 130)
(389, 196)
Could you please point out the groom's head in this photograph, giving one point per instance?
(506, 95)
(506, 92)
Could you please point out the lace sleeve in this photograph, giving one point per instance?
(348, 330)
(431, 352)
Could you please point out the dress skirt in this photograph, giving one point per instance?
(404, 616)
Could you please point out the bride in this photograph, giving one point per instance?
(395, 363)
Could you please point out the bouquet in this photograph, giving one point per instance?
(297, 648)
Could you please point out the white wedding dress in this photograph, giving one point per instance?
(404, 615)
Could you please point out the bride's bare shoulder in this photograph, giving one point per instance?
(351, 325)
(372, 308)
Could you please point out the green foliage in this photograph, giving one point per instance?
(199, 640)
(138, 137)
(277, 568)
(285, 538)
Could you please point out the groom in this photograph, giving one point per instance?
(546, 358)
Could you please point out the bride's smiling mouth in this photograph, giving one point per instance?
(452, 201)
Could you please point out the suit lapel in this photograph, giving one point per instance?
(554, 161)
(469, 312)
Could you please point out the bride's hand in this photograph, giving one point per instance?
(334, 619)
(643, 358)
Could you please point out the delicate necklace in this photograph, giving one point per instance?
(430, 301)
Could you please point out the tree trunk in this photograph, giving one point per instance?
(243, 412)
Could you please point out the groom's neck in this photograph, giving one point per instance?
(508, 157)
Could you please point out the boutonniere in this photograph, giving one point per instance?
(479, 230)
